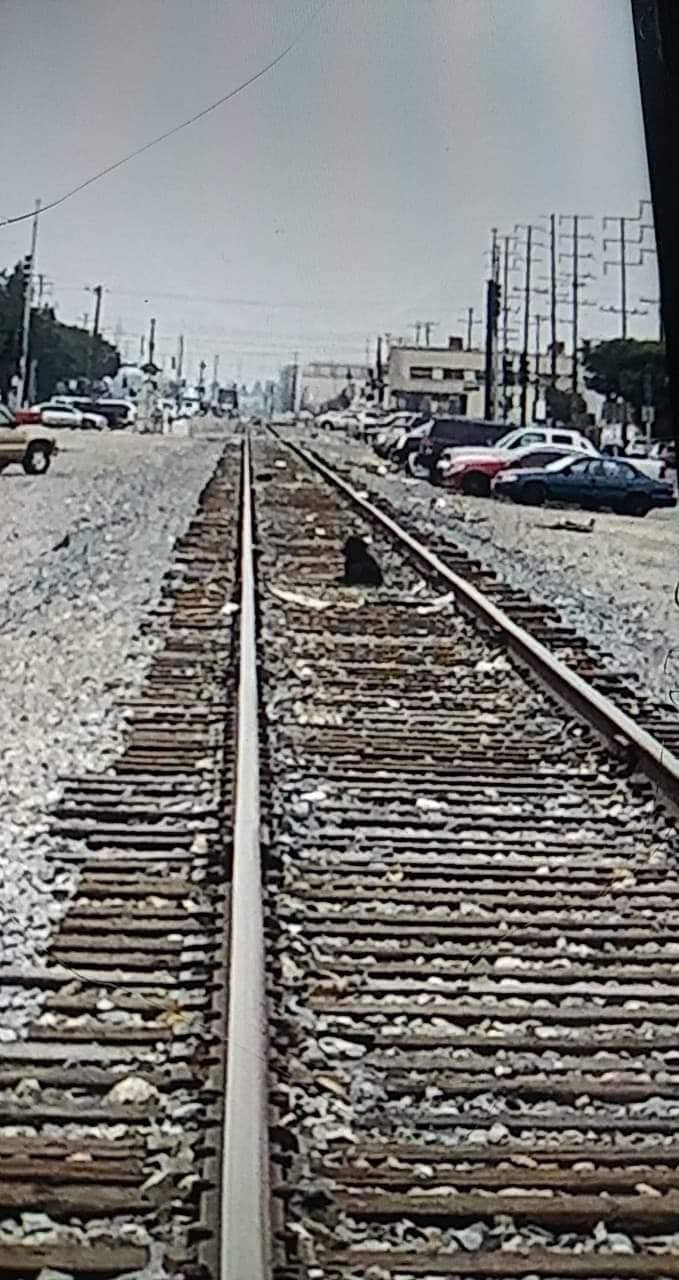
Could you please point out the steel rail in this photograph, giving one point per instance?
(245, 1224)
(651, 756)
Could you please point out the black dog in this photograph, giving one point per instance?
(360, 569)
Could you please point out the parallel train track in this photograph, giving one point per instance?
(110, 1111)
(465, 1064)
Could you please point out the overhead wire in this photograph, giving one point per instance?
(169, 133)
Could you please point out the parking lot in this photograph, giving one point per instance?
(615, 582)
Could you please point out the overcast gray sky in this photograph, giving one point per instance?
(350, 191)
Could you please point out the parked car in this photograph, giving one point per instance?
(394, 429)
(29, 448)
(475, 472)
(369, 422)
(407, 443)
(527, 437)
(665, 451)
(59, 415)
(446, 433)
(338, 420)
(118, 413)
(91, 419)
(591, 483)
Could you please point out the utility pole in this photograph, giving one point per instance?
(418, 329)
(180, 365)
(523, 372)
(379, 371)
(578, 279)
(576, 286)
(152, 341)
(215, 379)
(538, 357)
(293, 387)
(492, 312)
(26, 318)
(98, 291)
(142, 348)
(623, 241)
(470, 327)
(428, 326)
(552, 285)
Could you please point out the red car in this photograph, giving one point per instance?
(25, 416)
(474, 473)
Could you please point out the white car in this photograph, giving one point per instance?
(338, 420)
(91, 420)
(59, 415)
(524, 438)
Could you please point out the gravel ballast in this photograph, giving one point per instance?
(616, 584)
(84, 552)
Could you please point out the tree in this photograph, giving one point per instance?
(634, 370)
(62, 352)
(11, 310)
(564, 406)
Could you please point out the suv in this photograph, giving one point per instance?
(33, 450)
(446, 432)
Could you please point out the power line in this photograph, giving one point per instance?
(169, 133)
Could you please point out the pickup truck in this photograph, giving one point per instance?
(31, 449)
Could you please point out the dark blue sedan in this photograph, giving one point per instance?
(587, 482)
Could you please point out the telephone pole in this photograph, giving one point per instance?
(552, 289)
(492, 313)
(538, 356)
(180, 365)
(26, 318)
(152, 341)
(578, 279)
(98, 291)
(622, 240)
(293, 388)
(523, 371)
(215, 380)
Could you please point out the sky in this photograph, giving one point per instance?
(349, 192)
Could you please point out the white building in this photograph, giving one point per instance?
(450, 380)
(319, 382)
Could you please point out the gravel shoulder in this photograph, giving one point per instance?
(85, 549)
(615, 584)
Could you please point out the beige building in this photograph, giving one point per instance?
(450, 380)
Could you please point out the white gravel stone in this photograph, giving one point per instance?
(70, 647)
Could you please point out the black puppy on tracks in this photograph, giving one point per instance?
(360, 568)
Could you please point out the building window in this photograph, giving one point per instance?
(421, 371)
(453, 375)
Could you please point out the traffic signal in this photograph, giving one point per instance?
(523, 369)
(507, 372)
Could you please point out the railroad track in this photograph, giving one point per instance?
(544, 622)
(448, 1045)
(110, 1109)
(471, 927)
